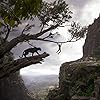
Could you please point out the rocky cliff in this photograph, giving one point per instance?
(80, 80)
(92, 42)
(12, 88)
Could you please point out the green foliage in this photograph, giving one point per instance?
(26, 8)
(57, 12)
(83, 85)
(88, 89)
(13, 11)
(50, 14)
(77, 31)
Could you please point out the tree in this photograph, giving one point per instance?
(50, 15)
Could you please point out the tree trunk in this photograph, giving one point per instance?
(12, 86)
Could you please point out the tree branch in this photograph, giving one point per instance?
(27, 28)
(47, 30)
(21, 63)
(8, 32)
(71, 40)
(23, 37)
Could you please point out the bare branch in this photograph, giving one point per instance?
(26, 37)
(49, 36)
(42, 28)
(27, 28)
(21, 63)
(23, 37)
(30, 44)
(8, 32)
(24, 28)
(47, 30)
(77, 31)
(57, 42)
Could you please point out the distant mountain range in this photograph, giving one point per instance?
(39, 85)
(39, 81)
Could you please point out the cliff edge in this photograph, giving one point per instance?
(80, 80)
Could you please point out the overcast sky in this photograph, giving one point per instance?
(84, 11)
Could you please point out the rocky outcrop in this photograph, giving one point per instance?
(92, 42)
(77, 81)
(80, 80)
(12, 88)
(81, 76)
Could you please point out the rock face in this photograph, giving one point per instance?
(81, 76)
(80, 80)
(92, 42)
(12, 88)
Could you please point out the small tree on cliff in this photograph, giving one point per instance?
(50, 15)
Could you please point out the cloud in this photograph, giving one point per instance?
(77, 3)
(90, 12)
(39, 71)
(52, 64)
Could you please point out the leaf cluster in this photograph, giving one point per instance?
(77, 32)
(12, 11)
(57, 12)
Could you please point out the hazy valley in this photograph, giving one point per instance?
(39, 86)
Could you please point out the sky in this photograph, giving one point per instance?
(84, 11)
